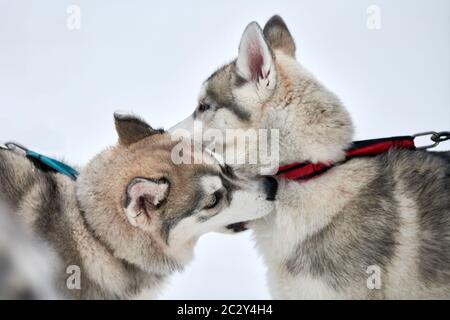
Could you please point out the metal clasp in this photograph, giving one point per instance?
(14, 147)
(435, 137)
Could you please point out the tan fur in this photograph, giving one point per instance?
(133, 216)
(148, 158)
(87, 222)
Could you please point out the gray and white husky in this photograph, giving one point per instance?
(132, 217)
(369, 228)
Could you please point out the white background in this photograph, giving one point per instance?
(59, 88)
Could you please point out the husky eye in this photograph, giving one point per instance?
(203, 107)
(214, 200)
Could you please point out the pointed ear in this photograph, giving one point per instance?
(255, 60)
(278, 36)
(131, 129)
(144, 198)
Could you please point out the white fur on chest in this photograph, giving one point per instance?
(303, 210)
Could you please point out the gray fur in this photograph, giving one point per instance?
(46, 201)
(278, 35)
(18, 251)
(428, 182)
(391, 211)
(369, 223)
(370, 230)
(219, 90)
(367, 231)
(170, 222)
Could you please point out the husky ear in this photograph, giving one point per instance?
(131, 129)
(278, 36)
(144, 198)
(255, 60)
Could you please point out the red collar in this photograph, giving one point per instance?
(366, 148)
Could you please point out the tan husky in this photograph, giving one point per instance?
(133, 216)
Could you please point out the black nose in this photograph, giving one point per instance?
(270, 188)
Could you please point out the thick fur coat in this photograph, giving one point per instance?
(133, 216)
(386, 217)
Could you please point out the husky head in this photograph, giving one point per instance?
(150, 211)
(265, 87)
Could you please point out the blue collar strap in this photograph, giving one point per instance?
(45, 162)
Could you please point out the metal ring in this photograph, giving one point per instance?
(14, 145)
(441, 136)
(17, 148)
(434, 135)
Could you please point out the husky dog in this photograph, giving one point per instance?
(133, 217)
(369, 228)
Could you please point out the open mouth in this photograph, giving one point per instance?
(238, 227)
